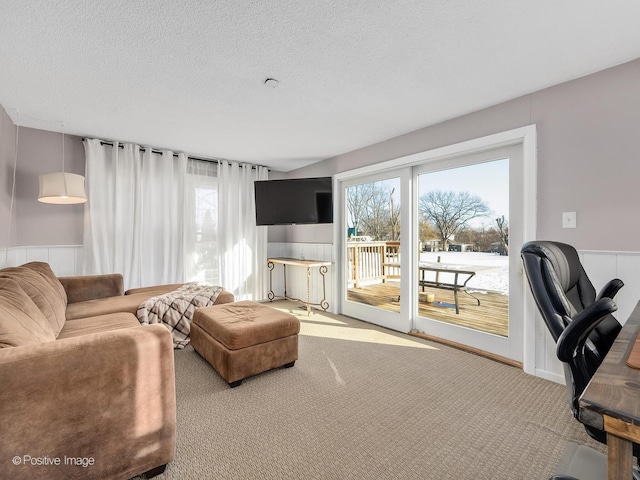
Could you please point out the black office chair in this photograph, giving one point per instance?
(579, 321)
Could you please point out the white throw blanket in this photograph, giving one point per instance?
(175, 309)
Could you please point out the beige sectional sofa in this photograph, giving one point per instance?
(85, 390)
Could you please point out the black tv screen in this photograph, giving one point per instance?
(294, 201)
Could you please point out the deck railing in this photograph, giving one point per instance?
(368, 261)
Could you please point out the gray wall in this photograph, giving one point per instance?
(588, 162)
(39, 151)
(38, 223)
(588, 157)
(7, 154)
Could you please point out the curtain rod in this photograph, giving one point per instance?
(153, 150)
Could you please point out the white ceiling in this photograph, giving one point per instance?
(188, 75)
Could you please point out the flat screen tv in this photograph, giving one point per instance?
(294, 201)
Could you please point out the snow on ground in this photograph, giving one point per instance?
(493, 276)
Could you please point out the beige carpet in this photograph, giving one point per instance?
(363, 402)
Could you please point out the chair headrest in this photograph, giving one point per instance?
(563, 258)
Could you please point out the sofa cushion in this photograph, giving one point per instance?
(21, 321)
(126, 303)
(42, 292)
(45, 270)
(155, 289)
(105, 306)
(101, 323)
(223, 296)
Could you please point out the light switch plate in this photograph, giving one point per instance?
(568, 219)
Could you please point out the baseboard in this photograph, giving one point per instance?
(554, 377)
(466, 348)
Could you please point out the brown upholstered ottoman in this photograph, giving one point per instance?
(245, 338)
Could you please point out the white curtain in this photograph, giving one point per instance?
(133, 216)
(242, 245)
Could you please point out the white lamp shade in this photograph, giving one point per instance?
(62, 188)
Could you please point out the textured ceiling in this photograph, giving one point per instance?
(188, 75)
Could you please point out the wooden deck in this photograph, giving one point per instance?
(492, 316)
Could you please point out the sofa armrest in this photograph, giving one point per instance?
(91, 287)
(107, 396)
(224, 297)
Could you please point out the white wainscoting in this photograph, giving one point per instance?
(604, 266)
(65, 260)
(601, 266)
(297, 276)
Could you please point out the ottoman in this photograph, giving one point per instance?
(241, 339)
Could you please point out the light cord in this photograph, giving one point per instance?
(62, 146)
(13, 190)
(64, 176)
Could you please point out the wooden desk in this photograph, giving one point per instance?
(322, 267)
(612, 401)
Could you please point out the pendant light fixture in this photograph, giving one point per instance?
(61, 187)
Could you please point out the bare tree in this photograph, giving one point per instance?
(373, 211)
(503, 230)
(376, 219)
(394, 218)
(358, 199)
(483, 238)
(449, 211)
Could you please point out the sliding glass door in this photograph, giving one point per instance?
(427, 248)
(373, 228)
(466, 213)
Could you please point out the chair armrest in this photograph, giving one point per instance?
(572, 346)
(109, 396)
(90, 287)
(610, 289)
(577, 332)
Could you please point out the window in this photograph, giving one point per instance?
(201, 223)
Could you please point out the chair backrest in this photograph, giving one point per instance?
(562, 289)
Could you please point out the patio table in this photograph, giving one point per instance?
(460, 273)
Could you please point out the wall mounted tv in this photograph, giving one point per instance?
(294, 201)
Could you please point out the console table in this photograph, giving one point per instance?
(322, 267)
